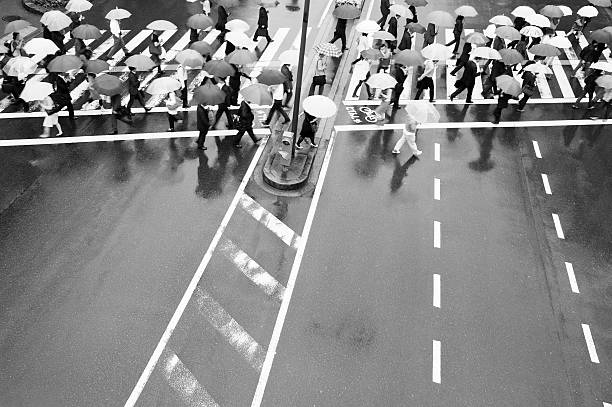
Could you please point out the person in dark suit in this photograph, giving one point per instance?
(400, 77)
(203, 123)
(309, 130)
(234, 84)
(457, 31)
(529, 87)
(61, 95)
(392, 29)
(415, 18)
(245, 124)
(221, 21)
(340, 33)
(262, 26)
(155, 49)
(288, 84)
(406, 40)
(467, 81)
(502, 103)
(463, 58)
(134, 90)
(224, 107)
(58, 39)
(385, 6)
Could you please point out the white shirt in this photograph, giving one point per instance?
(363, 44)
(278, 92)
(206, 7)
(181, 74)
(429, 69)
(114, 28)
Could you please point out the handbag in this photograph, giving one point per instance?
(528, 90)
(459, 83)
(319, 80)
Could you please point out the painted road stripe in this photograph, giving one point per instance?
(546, 184)
(436, 290)
(543, 86)
(564, 85)
(536, 149)
(324, 14)
(557, 222)
(606, 404)
(184, 382)
(231, 330)
(282, 313)
(271, 222)
(436, 234)
(586, 329)
(572, 277)
(437, 189)
(572, 58)
(252, 270)
(436, 371)
(370, 7)
(298, 38)
(437, 151)
(482, 101)
(272, 49)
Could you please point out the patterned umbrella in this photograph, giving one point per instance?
(381, 80)
(140, 62)
(36, 91)
(587, 11)
(347, 12)
(476, 38)
(161, 25)
(96, 66)
(510, 56)
(219, 68)
(208, 94)
(241, 57)
(40, 46)
(416, 28)
(523, 11)
(422, 111)
(20, 67)
(237, 25)
(257, 93)
(202, 47)
(190, 58)
(440, 18)
(328, 49)
(532, 31)
(108, 85)
(200, 21)
(55, 20)
(409, 57)
(86, 32)
(163, 85)
(551, 11)
(78, 6)
(383, 35)
(320, 106)
(64, 63)
(118, 14)
(271, 77)
(509, 85)
(545, 50)
(508, 33)
(367, 26)
(17, 25)
(538, 20)
(466, 11)
(501, 20)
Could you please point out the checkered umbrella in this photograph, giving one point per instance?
(328, 49)
(532, 31)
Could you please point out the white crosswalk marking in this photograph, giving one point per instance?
(543, 86)
(298, 37)
(272, 48)
(184, 382)
(559, 74)
(572, 58)
(450, 65)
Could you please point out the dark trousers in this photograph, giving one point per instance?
(397, 92)
(383, 20)
(202, 137)
(461, 88)
(523, 101)
(223, 108)
(241, 132)
(339, 36)
(458, 67)
(362, 82)
(267, 35)
(117, 45)
(184, 94)
(133, 98)
(456, 40)
(171, 120)
(234, 97)
(420, 90)
(583, 93)
(68, 106)
(312, 89)
(303, 136)
(277, 106)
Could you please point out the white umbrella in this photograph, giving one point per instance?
(20, 67)
(117, 14)
(36, 90)
(40, 46)
(161, 25)
(587, 11)
(538, 20)
(381, 80)
(486, 53)
(367, 26)
(78, 6)
(163, 85)
(320, 106)
(538, 68)
(240, 39)
(55, 20)
(490, 31)
(603, 66)
(566, 10)
(401, 10)
(237, 25)
(560, 41)
(501, 20)
(291, 57)
(523, 11)
(466, 11)
(532, 31)
(383, 35)
(437, 52)
(422, 111)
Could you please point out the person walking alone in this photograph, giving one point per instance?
(362, 73)
(529, 87)
(262, 26)
(61, 95)
(181, 76)
(203, 125)
(463, 58)
(589, 88)
(467, 81)
(385, 10)
(425, 81)
(156, 50)
(277, 106)
(457, 31)
(118, 43)
(392, 29)
(429, 35)
(340, 33)
(502, 103)
(245, 124)
(310, 125)
(400, 77)
(288, 84)
(406, 40)
(408, 136)
(319, 79)
(221, 21)
(135, 92)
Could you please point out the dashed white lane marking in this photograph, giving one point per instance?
(271, 222)
(436, 234)
(437, 151)
(536, 149)
(572, 277)
(436, 290)
(546, 184)
(185, 383)
(231, 330)
(437, 189)
(161, 345)
(252, 270)
(586, 329)
(558, 228)
(282, 313)
(436, 371)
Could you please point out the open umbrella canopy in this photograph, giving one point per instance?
(437, 52)
(96, 66)
(383, 35)
(64, 63)
(587, 11)
(190, 58)
(161, 25)
(523, 11)
(566, 10)
(510, 56)
(490, 31)
(227, 3)
(40, 46)
(372, 54)
(401, 10)
(486, 53)
(532, 31)
(538, 68)
(601, 35)
(208, 94)
(417, 3)
(3, 49)
(328, 49)
(347, 12)
(605, 81)
(271, 77)
(290, 56)
(237, 25)
(240, 39)
(416, 28)
(501, 20)
(440, 18)
(551, 11)
(36, 90)
(200, 21)
(78, 6)
(508, 33)
(367, 26)
(241, 57)
(466, 11)
(108, 85)
(509, 85)
(268, 3)
(219, 68)
(163, 85)
(560, 41)
(538, 20)
(20, 67)
(320, 106)
(601, 3)
(381, 80)
(55, 20)
(545, 50)
(140, 62)
(117, 14)
(86, 32)
(409, 57)
(257, 93)
(603, 66)
(17, 25)
(202, 47)
(422, 111)
(476, 38)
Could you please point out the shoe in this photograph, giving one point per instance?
(451, 98)
(201, 148)
(238, 145)
(432, 100)
(115, 132)
(147, 109)
(575, 107)
(298, 147)
(59, 134)
(355, 96)
(395, 152)
(170, 130)
(314, 145)
(43, 135)
(593, 117)
(520, 110)
(453, 74)
(591, 107)
(495, 121)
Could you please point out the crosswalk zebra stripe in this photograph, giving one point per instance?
(572, 58)
(559, 74)
(296, 42)
(210, 38)
(184, 382)
(543, 86)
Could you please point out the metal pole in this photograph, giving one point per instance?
(300, 72)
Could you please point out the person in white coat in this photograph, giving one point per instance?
(50, 119)
(408, 136)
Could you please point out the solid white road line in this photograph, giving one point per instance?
(557, 222)
(282, 314)
(572, 277)
(437, 189)
(586, 329)
(271, 222)
(436, 234)
(536, 149)
(231, 330)
(252, 270)
(370, 7)
(437, 151)
(193, 284)
(546, 184)
(436, 290)
(436, 371)
(476, 101)
(185, 383)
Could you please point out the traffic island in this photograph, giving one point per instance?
(282, 172)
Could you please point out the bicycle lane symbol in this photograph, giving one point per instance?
(362, 114)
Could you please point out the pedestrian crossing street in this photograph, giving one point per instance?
(173, 41)
(561, 87)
